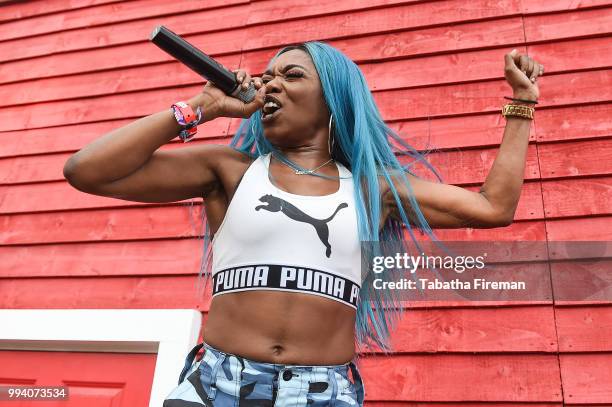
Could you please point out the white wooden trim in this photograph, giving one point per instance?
(171, 333)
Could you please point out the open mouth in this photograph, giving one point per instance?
(268, 116)
(271, 108)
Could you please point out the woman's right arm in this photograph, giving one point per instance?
(127, 163)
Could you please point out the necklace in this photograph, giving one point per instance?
(305, 172)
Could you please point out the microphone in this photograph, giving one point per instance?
(201, 63)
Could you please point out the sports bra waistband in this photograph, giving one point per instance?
(281, 277)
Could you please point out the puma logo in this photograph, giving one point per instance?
(275, 204)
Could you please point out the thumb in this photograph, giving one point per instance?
(256, 103)
(509, 58)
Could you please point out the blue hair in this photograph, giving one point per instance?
(369, 148)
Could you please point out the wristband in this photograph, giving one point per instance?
(525, 112)
(183, 113)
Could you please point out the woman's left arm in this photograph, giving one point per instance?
(449, 206)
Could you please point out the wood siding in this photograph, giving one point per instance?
(69, 68)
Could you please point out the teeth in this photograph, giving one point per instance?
(269, 108)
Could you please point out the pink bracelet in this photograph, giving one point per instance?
(183, 113)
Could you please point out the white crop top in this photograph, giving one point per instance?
(271, 239)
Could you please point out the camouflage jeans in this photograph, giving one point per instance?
(223, 379)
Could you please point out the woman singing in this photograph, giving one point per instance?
(311, 173)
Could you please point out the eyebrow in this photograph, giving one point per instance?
(286, 68)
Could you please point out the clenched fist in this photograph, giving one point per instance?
(521, 72)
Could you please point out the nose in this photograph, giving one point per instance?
(272, 86)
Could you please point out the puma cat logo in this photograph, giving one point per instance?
(275, 204)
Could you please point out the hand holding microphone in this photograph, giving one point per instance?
(220, 104)
(224, 93)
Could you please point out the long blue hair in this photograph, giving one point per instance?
(369, 148)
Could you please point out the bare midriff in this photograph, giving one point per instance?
(282, 327)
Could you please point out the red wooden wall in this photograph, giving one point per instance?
(71, 70)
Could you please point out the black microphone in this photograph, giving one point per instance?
(201, 63)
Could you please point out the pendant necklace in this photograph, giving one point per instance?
(306, 172)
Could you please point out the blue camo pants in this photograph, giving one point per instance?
(225, 380)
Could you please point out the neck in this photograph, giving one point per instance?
(305, 169)
(305, 157)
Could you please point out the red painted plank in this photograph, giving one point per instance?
(475, 165)
(260, 36)
(377, 21)
(573, 54)
(576, 197)
(575, 158)
(452, 132)
(520, 329)
(74, 137)
(582, 281)
(465, 131)
(394, 105)
(442, 69)
(171, 74)
(115, 57)
(560, 5)
(22, 10)
(456, 36)
(436, 70)
(584, 329)
(107, 292)
(140, 258)
(571, 24)
(102, 225)
(53, 196)
(104, 14)
(587, 378)
(263, 12)
(122, 33)
(595, 228)
(366, 48)
(55, 139)
(455, 378)
(585, 87)
(571, 123)
(96, 109)
(530, 230)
